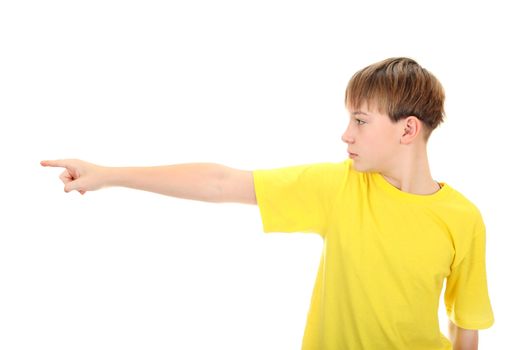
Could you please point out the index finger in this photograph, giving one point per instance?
(53, 163)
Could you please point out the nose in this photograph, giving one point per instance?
(348, 135)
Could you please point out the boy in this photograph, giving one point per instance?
(391, 233)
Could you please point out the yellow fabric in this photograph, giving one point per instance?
(386, 254)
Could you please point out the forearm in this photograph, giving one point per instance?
(196, 181)
(463, 339)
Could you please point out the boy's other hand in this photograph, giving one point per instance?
(79, 175)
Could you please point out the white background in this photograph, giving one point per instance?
(242, 83)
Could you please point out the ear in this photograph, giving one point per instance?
(411, 127)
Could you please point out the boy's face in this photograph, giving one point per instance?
(373, 139)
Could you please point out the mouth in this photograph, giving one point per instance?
(352, 155)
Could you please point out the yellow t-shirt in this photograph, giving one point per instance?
(386, 253)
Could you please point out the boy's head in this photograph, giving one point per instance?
(398, 87)
(394, 106)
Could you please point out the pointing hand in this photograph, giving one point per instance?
(79, 175)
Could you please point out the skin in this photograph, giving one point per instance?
(396, 150)
(463, 339)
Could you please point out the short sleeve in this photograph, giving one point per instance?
(297, 198)
(466, 295)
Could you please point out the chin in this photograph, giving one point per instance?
(360, 167)
(363, 168)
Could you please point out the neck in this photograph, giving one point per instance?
(412, 173)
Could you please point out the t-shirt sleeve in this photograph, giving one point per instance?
(466, 296)
(297, 198)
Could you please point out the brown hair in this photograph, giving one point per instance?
(399, 87)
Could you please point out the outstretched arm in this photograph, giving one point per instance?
(207, 182)
(463, 339)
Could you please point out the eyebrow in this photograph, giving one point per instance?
(358, 113)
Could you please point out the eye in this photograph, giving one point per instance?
(359, 121)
